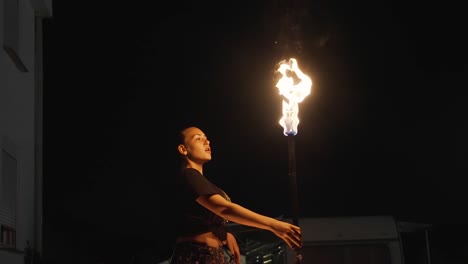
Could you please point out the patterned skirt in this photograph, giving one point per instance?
(198, 253)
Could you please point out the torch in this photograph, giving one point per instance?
(294, 86)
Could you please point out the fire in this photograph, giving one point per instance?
(294, 86)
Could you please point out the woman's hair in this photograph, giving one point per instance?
(180, 139)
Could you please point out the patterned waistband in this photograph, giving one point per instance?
(195, 244)
(189, 252)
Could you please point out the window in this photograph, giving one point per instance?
(8, 199)
(8, 237)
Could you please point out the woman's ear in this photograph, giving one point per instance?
(182, 149)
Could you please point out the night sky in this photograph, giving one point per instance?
(383, 131)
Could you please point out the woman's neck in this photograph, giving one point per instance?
(196, 166)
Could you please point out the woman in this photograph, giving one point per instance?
(205, 209)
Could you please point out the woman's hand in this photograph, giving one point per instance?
(231, 243)
(291, 234)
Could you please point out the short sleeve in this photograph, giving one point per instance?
(198, 184)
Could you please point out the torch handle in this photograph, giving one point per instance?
(293, 189)
(293, 180)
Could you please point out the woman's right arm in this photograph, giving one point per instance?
(291, 234)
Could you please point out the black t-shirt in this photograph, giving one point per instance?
(192, 218)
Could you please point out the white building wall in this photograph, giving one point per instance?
(18, 98)
(357, 230)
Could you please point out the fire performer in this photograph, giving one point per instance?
(204, 209)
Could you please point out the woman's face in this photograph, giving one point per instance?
(196, 145)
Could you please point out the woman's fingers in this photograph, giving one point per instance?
(291, 234)
(295, 237)
(235, 254)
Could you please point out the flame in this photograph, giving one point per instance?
(294, 90)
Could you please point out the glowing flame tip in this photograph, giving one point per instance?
(294, 88)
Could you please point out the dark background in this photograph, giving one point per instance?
(383, 132)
